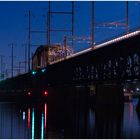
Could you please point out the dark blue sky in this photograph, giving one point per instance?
(14, 23)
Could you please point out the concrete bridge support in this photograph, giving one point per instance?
(109, 94)
(68, 94)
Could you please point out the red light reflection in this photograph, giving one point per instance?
(45, 117)
(29, 117)
(131, 110)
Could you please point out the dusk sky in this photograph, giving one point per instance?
(14, 24)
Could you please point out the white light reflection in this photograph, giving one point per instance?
(23, 115)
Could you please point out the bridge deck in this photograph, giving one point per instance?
(105, 44)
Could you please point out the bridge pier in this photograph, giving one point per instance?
(109, 94)
(69, 94)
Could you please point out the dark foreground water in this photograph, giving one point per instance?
(43, 120)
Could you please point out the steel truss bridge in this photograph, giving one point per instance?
(113, 62)
(117, 60)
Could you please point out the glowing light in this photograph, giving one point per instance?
(29, 116)
(43, 70)
(46, 93)
(34, 72)
(33, 124)
(124, 90)
(137, 89)
(29, 93)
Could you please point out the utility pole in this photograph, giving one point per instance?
(25, 54)
(73, 26)
(60, 30)
(127, 30)
(48, 32)
(49, 18)
(65, 47)
(19, 67)
(47, 27)
(30, 31)
(12, 67)
(92, 24)
(12, 60)
(6, 73)
(2, 64)
(29, 38)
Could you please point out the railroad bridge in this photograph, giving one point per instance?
(117, 60)
(110, 63)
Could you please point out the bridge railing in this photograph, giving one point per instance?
(101, 42)
(118, 35)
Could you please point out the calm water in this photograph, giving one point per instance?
(69, 120)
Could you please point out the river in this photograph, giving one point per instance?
(67, 120)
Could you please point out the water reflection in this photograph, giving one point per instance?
(108, 122)
(33, 123)
(22, 120)
(131, 121)
(67, 120)
(39, 119)
(42, 126)
(29, 117)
